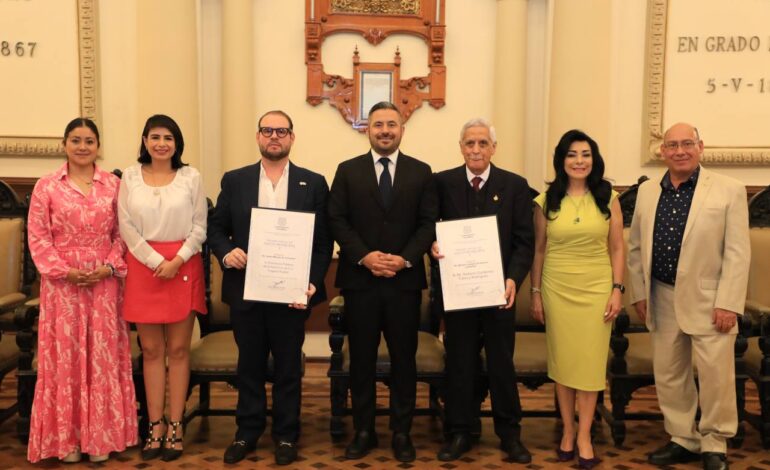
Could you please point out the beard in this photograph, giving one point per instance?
(272, 154)
(384, 149)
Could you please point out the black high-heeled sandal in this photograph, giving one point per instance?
(172, 453)
(149, 452)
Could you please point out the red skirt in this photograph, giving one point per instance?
(148, 299)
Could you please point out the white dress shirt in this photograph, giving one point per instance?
(393, 157)
(273, 197)
(173, 212)
(484, 176)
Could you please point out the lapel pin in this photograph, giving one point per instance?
(495, 198)
(302, 183)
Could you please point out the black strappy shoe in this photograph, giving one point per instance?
(170, 452)
(149, 452)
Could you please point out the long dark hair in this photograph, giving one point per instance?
(165, 122)
(81, 122)
(600, 188)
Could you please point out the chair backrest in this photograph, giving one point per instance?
(11, 255)
(627, 201)
(759, 233)
(17, 273)
(524, 320)
(218, 317)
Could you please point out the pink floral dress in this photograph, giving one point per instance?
(84, 397)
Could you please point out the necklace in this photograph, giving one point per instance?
(154, 183)
(577, 206)
(86, 182)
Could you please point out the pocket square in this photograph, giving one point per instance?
(302, 183)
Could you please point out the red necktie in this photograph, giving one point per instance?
(476, 182)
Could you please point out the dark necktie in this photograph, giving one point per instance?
(386, 183)
(476, 182)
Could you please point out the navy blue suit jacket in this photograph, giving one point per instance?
(228, 224)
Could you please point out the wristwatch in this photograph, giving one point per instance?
(620, 287)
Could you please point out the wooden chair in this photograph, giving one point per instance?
(758, 311)
(630, 363)
(430, 361)
(214, 355)
(530, 354)
(9, 361)
(17, 273)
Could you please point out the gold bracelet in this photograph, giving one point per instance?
(534, 290)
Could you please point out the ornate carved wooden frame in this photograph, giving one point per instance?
(52, 146)
(654, 86)
(375, 20)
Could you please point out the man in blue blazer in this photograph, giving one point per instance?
(259, 327)
(382, 213)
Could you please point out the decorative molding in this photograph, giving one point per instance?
(377, 7)
(87, 47)
(375, 20)
(654, 87)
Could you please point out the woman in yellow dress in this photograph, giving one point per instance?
(577, 283)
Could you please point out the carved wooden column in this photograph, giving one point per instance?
(239, 121)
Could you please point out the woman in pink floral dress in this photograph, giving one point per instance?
(84, 397)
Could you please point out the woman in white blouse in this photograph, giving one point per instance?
(162, 211)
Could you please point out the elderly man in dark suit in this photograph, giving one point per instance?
(259, 327)
(382, 212)
(474, 189)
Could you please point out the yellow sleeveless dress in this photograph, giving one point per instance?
(576, 285)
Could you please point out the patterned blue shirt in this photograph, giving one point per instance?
(670, 220)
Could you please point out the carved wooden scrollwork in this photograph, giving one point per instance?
(375, 20)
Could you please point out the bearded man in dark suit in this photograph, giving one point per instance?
(262, 328)
(382, 212)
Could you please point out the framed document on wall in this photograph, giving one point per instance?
(48, 62)
(708, 63)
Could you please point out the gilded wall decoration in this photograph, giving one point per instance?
(45, 89)
(377, 7)
(707, 63)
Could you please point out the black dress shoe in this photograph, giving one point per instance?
(516, 451)
(403, 450)
(285, 453)
(237, 451)
(714, 461)
(454, 448)
(362, 443)
(671, 454)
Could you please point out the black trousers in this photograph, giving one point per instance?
(259, 330)
(396, 313)
(465, 332)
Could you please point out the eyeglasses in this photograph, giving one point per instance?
(279, 131)
(685, 145)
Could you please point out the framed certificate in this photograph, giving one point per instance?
(279, 255)
(471, 269)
